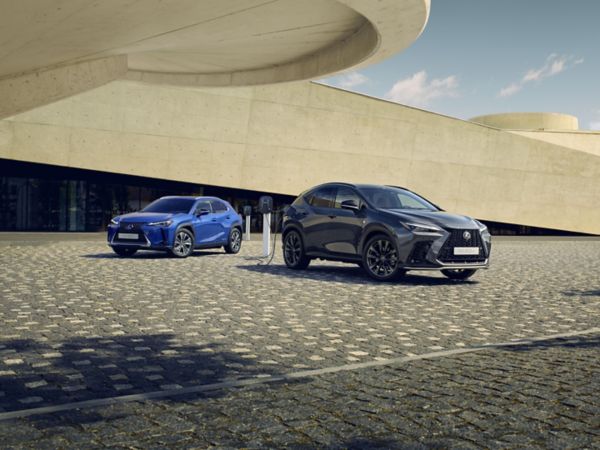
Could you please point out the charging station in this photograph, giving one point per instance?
(265, 207)
(248, 214)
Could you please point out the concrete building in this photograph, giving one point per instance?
(151, 126)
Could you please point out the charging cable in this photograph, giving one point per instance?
(266, 260)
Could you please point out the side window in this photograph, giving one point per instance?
(343, 194)
(203, 205)
(218, 206)
(323, 198)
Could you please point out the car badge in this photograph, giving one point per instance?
(130, 227)
(467, 236)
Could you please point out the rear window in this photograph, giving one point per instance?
(218, 206)
(322, 198)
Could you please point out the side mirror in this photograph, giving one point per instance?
(350, 204)
(202, 212)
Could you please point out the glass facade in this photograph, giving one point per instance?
(39, 197)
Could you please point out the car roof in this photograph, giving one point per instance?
(357, 185)
(193, 197)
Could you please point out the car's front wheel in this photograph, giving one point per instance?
(235, 241)
(459, 274)
(183, 245)
(124, 251)
(293, 251)
(381, 260)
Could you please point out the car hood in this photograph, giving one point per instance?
(145, 217)
(439, 218)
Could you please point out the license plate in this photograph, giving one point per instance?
(466, 251)
(128, 236)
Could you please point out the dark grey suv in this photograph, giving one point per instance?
(386, 230)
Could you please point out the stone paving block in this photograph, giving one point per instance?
(93, 326)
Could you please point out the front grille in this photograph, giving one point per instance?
(130, 228)
(456, 239)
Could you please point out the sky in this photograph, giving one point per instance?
(480, 57)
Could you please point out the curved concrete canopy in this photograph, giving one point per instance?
(208, 42)
(529, 121)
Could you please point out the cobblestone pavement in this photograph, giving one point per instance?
(80, 324)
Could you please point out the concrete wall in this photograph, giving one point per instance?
(47, 48)
(586, 141)
(529, 121)
(289, 137)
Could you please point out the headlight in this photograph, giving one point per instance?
(164, 223)
(420, 228)
(115, 221)
(481, 226)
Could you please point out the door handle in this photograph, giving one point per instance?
(332, 217)
(214, 220)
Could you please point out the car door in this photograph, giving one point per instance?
(206, 228)
(345, 225)
(317, 220)
(222, 219)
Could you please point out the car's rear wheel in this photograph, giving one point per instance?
(293, 251)
(459, 274)
(124, 251)
(381, 260)
(234, 244)
(183, 245)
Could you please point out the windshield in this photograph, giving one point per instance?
(170, 205)
(395, 198)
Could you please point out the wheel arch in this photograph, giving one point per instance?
(370, 232)
(186, 225)
(292, 227)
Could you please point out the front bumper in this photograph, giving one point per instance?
(435, 251)
(149, 237)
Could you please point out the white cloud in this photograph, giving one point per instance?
(511, 89)
(595, 122)
(351, 80)
(554, 65)
(347, 81)
(416, 90)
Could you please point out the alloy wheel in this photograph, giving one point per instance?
(382, 258)
(236, 240)
(293, 249)
(183, 244)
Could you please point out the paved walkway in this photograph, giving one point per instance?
(80, 325)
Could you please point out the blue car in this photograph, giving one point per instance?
(177, 225)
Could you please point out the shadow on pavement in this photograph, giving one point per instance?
(578, 342)
(149, 255)
(34, 374)
(349, 274)
(573, 293)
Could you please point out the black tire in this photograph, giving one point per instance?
(459, 274)
(183, 243)
(125, 251)
(381, 260)
(294, 254)
(234, 243)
